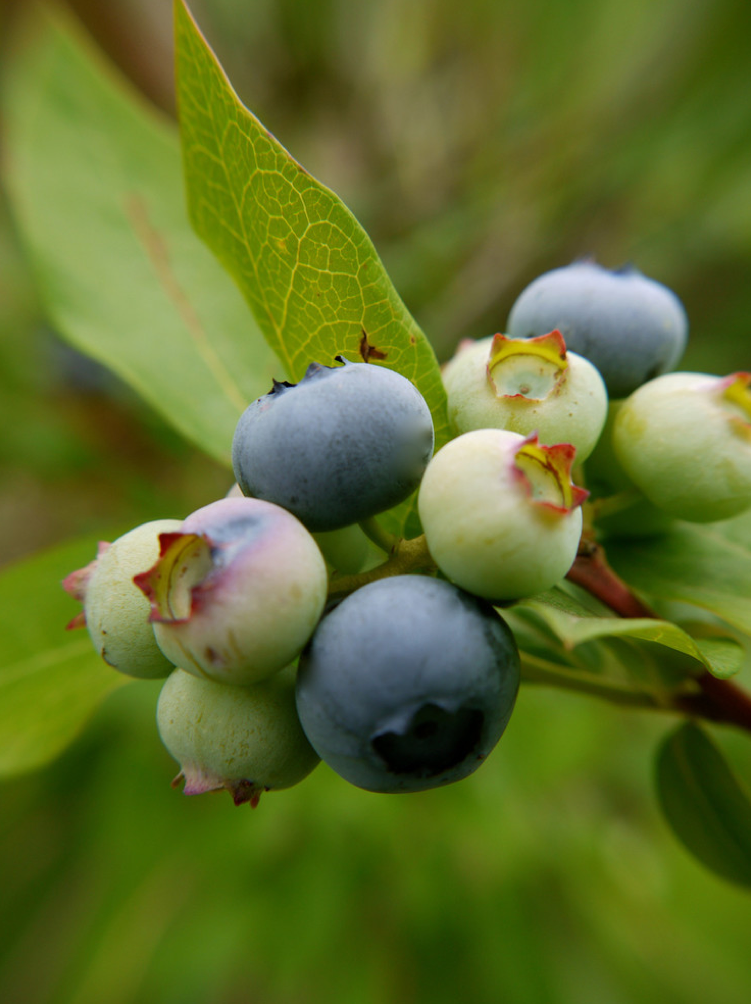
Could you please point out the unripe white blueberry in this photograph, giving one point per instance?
(684, 439)
(501, 515)
(245, 739)
(606, 480)
(237, 591)
(115, 611)
(527, 385)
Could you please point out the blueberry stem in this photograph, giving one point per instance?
(718, 700)
(408, 556)
(536, 670)
(592, 572)
(381, 538)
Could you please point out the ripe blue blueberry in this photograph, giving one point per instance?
(407, 684)
(631, 327)
(345, 443)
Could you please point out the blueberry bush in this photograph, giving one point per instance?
(406, 546)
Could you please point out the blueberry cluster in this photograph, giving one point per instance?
(285, 641)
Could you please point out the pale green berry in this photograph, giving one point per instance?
(525, 386)
(346, 550)
(237, 590)
(684, 439)
(619, 508)
(245, 739)
(115, 611)
(501, 516)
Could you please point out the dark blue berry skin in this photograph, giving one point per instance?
(345, 443)
(630, 327)
(407, 684)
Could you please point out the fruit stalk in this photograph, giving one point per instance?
(407, 557)
(718, 700)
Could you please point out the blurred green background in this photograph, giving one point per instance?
(479, 144)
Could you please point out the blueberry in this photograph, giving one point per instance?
(501, 515)
(605, 477)
(631, 327)
(527, 385)
(345, 443)
(245, 739)
(684, 439)
(236, 591)
(407, 684)
(115, 612)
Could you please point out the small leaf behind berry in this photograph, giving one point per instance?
(707, 807)
(574, 624)
(706, 565)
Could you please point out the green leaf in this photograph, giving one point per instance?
(721, 654)
(707, 565)
(705, 804)
(96, 185)
(737, 530)
(51, 680)
(308, 269)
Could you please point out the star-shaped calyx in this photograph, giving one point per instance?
(545, 474)
(531, 368)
